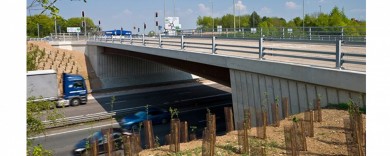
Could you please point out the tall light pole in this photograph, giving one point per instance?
(234, 18)
(164, 17)
(320, 9)
(85, 24)
(239, 18)
(303, 16)
(212, 10)
(55, 25)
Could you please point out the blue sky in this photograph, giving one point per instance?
(114, 14)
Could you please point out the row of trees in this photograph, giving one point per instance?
(47, 24)
(336, 18)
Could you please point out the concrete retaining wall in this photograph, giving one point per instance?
(248, 93)
(119, 71)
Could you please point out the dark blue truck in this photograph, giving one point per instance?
(43, 85)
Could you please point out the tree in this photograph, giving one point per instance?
(254, 19)
(33, 58)
(46, 5)
(204, 22)
(227, 21)
(46, 25)
(245, 21)
(337, 18)
(77, 22)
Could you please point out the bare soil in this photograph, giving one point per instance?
(329, 139)
(62, 60)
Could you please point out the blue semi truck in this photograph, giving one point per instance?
(43, 85)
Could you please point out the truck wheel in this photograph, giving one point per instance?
(75, 102)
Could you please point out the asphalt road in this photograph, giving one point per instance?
(213, 96)
(169, 97)
(63, 143)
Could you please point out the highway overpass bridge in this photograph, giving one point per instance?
(296, 69)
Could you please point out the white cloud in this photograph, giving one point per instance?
(321, 1)
(241, 7)
(204, 10)
(291, 5)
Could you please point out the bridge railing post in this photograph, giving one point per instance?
(182, 42)
(143, 39)
(261, 49)
(112, 39)
(159, 41)
(339, 54)
(309, 33)
(131, 39)
(213, 45)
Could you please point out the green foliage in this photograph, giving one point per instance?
(254, 19)
(193, 129)
(173, 112)
(33, 58)
(46, 24)
(295, 119)
(264, 102)
(205, 22)
(157, 142)
(343, 106)
(46, 5)
(35, 111)
(151, 33)
(335, 18)
(40, 151)
(112, 102)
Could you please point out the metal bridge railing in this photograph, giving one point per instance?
(336, 56)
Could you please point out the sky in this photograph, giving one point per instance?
(114, 14)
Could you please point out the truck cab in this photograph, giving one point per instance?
(75, 90)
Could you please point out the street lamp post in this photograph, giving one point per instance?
(85, 24)
(303, 16)
(55, 25)
(320, 9)
(234, 18)
(212, 16)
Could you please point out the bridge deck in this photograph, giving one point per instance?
(253, 52)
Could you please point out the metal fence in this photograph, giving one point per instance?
(306, 33)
